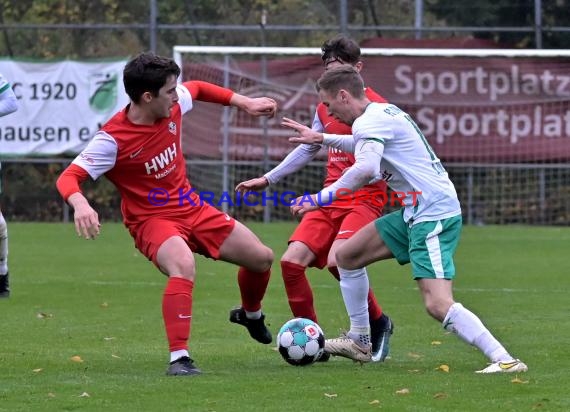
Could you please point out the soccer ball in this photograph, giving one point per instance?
(300, 341)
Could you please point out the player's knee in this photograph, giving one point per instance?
(188, 267)
(264, 259)
(331, 261)
(298, 254)
(437, 308)
(346, 259)
(183, 266)
(287, 259)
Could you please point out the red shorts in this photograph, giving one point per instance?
(204, 230)
(320, 228)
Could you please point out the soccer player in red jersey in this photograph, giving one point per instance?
(321, 232)
(139, 151)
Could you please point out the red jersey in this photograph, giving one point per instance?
(338, 161)
(145, 162)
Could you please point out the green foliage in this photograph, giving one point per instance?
(92, 42)
(100, 300)
(506, 13)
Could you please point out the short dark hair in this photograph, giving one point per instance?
(341, 77)
(341, 48)
(147, 72)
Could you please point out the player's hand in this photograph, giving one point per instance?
(304, 134)
(258, 106)
(259, 183)
(86, 218)
(304, 204)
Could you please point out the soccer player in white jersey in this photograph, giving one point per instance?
(389, 145)
(8, 104)
(319, 234)
(139, 151)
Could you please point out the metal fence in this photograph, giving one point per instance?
(35, 198)
(413, 25)
(490, 194)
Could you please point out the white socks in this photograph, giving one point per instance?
(3, 246)
(177, 354)
(469, 327)
(354, 286)
(253, 315)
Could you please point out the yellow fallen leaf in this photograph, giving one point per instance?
(516, 379)
(443, 368)
(440, 395)
(403, 391)
(115, 356)
(436, 342)
(51, 395)
(76, 359)
(37, 370)
(84, 395)
(104, 305)
(413, 370)
(331, 395)
(374, 402)
(414, 355)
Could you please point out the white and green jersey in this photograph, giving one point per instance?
(389, 146)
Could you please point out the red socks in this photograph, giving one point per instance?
(299, 292)
(252, 287)
(177, 312)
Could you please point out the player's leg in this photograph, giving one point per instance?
(162, 242)
(244, 248)
(308, 246)
(433, 245)
(294, 263)
(381, 326)
(4, 276)
(368, 245)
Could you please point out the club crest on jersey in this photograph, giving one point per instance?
(172, 127)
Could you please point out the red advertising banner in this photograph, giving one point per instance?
(480, 110)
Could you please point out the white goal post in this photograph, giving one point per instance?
(179, 50)
(498, 118)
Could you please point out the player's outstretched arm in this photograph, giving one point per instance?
(294, 161)
(258, 183)
(256, 106)
(304, 134)
(85, 217)
(209, 92)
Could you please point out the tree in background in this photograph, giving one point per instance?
(505, 13)
(130, 20)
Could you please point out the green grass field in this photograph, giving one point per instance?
(101, 300)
